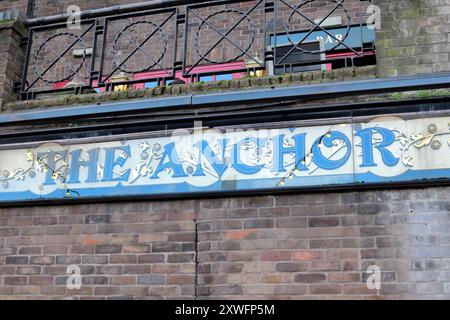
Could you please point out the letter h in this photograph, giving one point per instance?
(76, 164)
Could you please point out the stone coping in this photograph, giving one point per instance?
(246, 83)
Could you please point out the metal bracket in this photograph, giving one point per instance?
(269, 6)
(23, 42)
(99, 29)
(17, 85)
(181, 18)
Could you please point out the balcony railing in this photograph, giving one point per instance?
(204, 41)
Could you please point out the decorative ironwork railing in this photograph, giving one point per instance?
(208, 40)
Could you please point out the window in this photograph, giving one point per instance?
(206, 73)
(227, 76)
(288, 59)
(218, 72)
(357, 49)
(219, 77)
(152, 84)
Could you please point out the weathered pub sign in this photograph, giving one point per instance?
(383, 150)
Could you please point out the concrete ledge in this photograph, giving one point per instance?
(199, 88)
(16, 25)
(312, 92)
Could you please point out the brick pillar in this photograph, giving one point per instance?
(414, 37)
(12, 59)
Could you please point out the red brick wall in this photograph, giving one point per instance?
(301, 246)
(139, 250)
(317, 246)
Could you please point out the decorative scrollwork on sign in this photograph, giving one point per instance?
(36, 164)
(418, 141)
(149, 153)
(18, 174)
(59, 169)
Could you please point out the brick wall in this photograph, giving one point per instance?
(300, 246)
(140, 250)
(12, 59)
(52, 7)
(318, 245)
(414, 37)
(44, 8)
(21, 5)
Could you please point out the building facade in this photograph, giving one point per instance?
(260, 149)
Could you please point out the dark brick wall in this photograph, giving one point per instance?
(12, 59)
(6, 5)
(140, 250)
(300, 246)
(317, 246)
(414, 37)
(44, 8)
(55, 7)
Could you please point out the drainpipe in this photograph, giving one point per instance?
(30, 8)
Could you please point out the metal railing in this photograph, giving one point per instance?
(156, 46)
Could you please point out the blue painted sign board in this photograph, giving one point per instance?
(202, 161)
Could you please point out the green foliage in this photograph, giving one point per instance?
(421, 94)
(6, 21)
